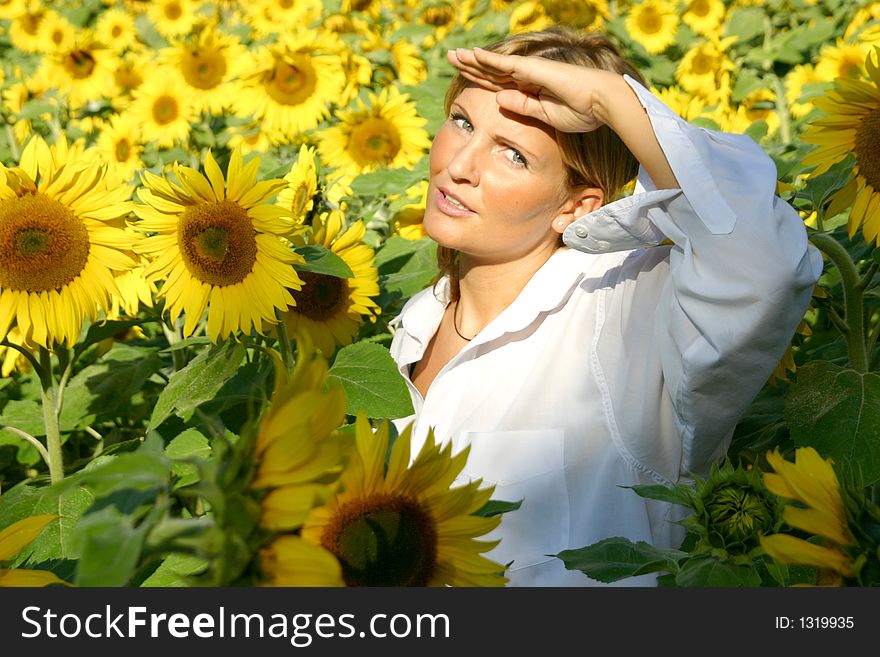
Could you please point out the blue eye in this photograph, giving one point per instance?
(461, 121)
(517, 158)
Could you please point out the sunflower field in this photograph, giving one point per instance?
(210, 211)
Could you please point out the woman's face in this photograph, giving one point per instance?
(497, 182)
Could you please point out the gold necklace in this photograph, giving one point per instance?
(455, 324)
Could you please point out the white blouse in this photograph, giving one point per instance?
(622, 361)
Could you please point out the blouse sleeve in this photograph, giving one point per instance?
(713, 317)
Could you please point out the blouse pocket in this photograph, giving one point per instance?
(527, 466)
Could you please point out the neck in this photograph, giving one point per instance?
(487, 288)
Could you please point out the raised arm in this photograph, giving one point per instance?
(569, 98)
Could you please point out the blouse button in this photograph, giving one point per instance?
(580, 231)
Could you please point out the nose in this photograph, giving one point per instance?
(463, 165)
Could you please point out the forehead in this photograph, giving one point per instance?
(480, 104)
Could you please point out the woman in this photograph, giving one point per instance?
(578, 342)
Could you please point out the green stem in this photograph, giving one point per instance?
(853, 307)
(50, 418)
(782, 110)
(33, 441)
(27, 354)
(284, 344)
(14, 148)
(177, 355)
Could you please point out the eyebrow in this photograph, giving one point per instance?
(501, 139)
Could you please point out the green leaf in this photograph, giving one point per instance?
(25, 415)
(371, 382)
(837, 411)
(677, 494)
(103, 330)
(745, 23)
(189, 445)
(104, 390)
(497, 507)
(418, 272)
(140, 470)
(617, 558)
(746, 82)
(389, 181)
(198, 382)
(321, 260)
(192, 341)
(818, 189)
(709, 571)
(56, 541)
(396, 251)
(109, 547)
(175, 571)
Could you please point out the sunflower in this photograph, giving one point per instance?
(290, 84)
(852, 125)
(24, 29)
(760, 105)
(653, 24)
(330, 309)
(705, 70)
(799, 102)
(386, 133)
(119, 146)
(56, 33)
(705, 16)
(58, 245)
(583, 14)
(12, 8)
(810, 482)
(208, 64)
(250, 138)
(443, 16)
(842, 60)
(408, 221)
(84, 71)
(135, 290)
(215, 244)
(529, 16)
(11, 359)
(172, 17)
(411, 69)
(869, 14)
(269, 18)
(115, 28)
(358, 74)
(405, 526)
(129, 73)
(298, 197)
(686, 105)
(163, 108)
(13, 540)
(299, 453)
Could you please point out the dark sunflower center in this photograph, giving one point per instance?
(292, 81)
(204, 69)
(217, 242)
(57, 37)
(127, 79)
(122, 150)
(375, 141)
(43, 244)
(116, 31)
(321, 297)
(361, 5)
(173, 11)
(702, 63)
(165, 109)
(80, 64)
(867, 139)
(650, 21)
(385, 540)
(439, 16)
(699, 8)
(285, 4)
(30, 23)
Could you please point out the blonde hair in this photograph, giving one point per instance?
(592, 159)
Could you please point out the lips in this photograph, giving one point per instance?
(449, 203)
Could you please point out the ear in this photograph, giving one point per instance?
(581, 202)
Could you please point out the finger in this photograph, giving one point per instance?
(522, 103)
(506, 64)
(469, 65)
(481, 81)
